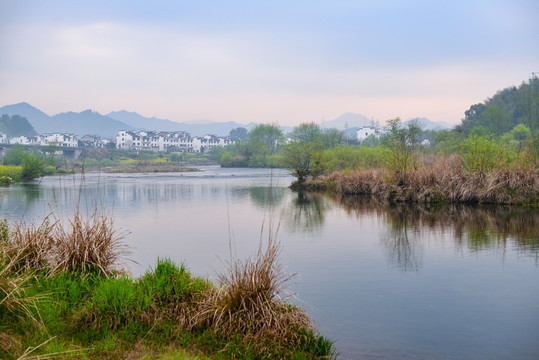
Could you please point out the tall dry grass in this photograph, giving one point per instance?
(32, 246)
(81, 244)
(443, 180)
(88, 244)
(15, 277)
(252, 299)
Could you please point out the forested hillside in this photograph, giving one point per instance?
(505, 110)
(16, 126)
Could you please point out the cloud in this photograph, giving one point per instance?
(288, 62)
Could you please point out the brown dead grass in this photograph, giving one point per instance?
(89, 243)
(440, 181)
(252, 299)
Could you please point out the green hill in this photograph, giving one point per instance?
(506, 109)
(16, 126)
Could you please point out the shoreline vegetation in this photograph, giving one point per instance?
(63, 295)
(444, 180)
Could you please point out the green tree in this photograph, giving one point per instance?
(14, 155)
(264, 143)
(266, 138)
(304, 159)
(403, 142)
(303, 155)
(32, 166)
(447, 141)
(521, 132)
(332, 138)
(496, 119)
(480, 154)
(239, 134)
(306, 132)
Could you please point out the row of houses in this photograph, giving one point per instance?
(177, 141)
(61, 140)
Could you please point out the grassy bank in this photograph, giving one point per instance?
(440, 179)
(62, 295)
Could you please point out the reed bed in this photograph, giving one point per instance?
(441, 181)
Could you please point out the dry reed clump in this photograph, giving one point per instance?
(250, 301)
(441, 181)
(14, 281)
(21, 251)
(32, 246)
(89, 244)
(368, 182)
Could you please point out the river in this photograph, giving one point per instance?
(384, 282)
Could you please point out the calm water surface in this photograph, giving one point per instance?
(401, 282)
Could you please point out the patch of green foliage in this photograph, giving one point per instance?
(95, 316)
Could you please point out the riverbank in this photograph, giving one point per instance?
(444, 182)
(63, 295)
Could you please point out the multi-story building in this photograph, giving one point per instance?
(177, 141)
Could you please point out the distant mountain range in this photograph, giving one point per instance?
(352, 120)
(90, 122)
(196, 128)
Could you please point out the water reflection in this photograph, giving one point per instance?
(402, 240)
(306, 212)
(477, 228)
(25, 196)
(264, 195)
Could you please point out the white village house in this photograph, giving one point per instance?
(366, 131)
(168, 141)
(61, 140)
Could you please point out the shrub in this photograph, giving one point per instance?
(251, 300)
(32, 166)
(89, 245)
(480, 154)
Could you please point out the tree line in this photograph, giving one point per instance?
(500, 132)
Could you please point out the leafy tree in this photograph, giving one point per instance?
(447, 141)
(521, 132)
(403, 141)
(479, 154)
(239, 134)
(496, 119)
(304, 155)
(332, 138)
(14, 155)
(304, 159)
(265, 139)
(309, 132)
(264, 142)
(32, 166)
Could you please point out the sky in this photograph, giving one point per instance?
(283, 62)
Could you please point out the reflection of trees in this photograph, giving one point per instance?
(31, 192)
(402, 241)
(475, 227)
(307, 212)
(263, 196)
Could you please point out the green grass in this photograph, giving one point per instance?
(51, 310)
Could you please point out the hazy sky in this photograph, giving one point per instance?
(266, 61)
